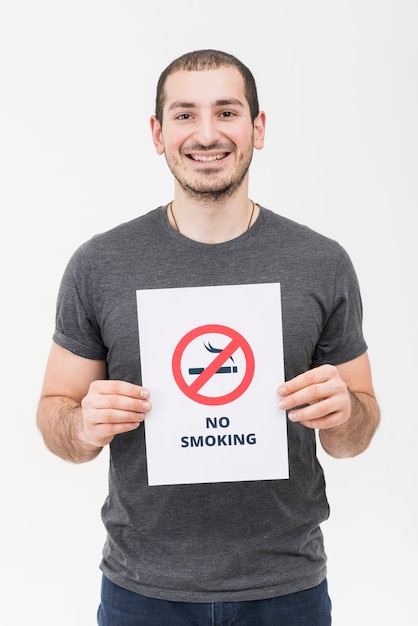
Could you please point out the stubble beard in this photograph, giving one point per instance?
(213, 191)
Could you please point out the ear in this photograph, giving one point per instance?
(259, 130)
(157, 135)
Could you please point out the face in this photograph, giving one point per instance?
(207, 134)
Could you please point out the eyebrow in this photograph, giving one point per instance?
(182, 104)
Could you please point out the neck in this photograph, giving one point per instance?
(212, 222)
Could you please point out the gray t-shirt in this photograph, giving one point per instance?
(218, 541)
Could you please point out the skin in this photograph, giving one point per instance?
(211, 201)
(208, 139)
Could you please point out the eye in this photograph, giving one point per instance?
(184, 116)
(227, 114)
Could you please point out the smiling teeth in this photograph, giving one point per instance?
(207, 159)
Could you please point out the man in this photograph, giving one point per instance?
(249, 553)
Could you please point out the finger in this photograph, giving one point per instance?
(115, 416)
(312, 377)
(122, 403)
(102, 434)
(328, 421)
(307, 395)
(107, 403)
(323, 408)
(120, 388)
(324, 414)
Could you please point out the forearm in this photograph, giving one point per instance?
(60, 422)
(354, 436)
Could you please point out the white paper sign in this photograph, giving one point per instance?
(212, 358)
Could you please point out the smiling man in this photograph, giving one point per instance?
(208, 141)
(248, 553)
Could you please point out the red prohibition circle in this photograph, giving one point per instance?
(237, 341)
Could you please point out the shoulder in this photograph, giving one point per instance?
(298, 239)
(286, 226)
(128, 231)
(122, 239)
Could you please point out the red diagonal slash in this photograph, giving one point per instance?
(213, 367)
(192, 391)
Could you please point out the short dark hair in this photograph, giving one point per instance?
(201, 60)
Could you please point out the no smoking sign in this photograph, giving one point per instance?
(213, 364)
(204, 387)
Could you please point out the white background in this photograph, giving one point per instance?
(338, 81)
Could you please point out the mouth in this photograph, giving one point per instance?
(207, 158)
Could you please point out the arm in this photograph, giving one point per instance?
(340, 402)
(80, 411)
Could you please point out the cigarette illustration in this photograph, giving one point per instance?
(226, 369)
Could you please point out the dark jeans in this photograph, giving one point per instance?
(120, 607)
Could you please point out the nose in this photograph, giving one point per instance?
(206, 132)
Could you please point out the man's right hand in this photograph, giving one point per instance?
(112, 407)
(80, 410)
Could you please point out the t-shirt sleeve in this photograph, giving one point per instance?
(76, 326)
(342, 337)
